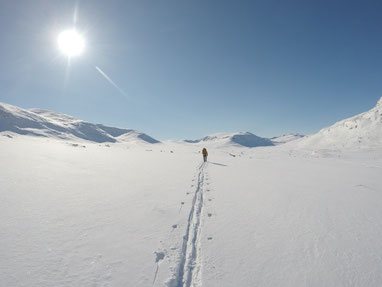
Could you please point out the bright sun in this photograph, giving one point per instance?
(71, 43)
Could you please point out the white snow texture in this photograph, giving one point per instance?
(89, 205)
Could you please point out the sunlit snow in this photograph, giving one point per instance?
(89, 205)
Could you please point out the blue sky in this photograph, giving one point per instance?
(192, 68)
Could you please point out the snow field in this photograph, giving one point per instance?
(294, 220)
(86, 214)
(93, 216)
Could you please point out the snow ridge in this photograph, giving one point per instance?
(245, 139)
(189, 270)
(50, 124)
(361, 131)
(286, 138)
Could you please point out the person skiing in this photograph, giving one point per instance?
(205, 154)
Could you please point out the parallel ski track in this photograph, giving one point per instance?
(189, 272)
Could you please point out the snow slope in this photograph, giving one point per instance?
(363, 130)
(286, 138)
(245, 139)
(99, 215)
(38, 122)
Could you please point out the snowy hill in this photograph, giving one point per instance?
(238, 139)
(286, 138)
(363, 130)
(38, 122)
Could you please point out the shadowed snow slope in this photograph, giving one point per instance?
(363, 130)
(242, 139)
(286, 138)
(38, 122)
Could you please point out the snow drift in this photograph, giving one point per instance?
(38, 122)
(363, 130)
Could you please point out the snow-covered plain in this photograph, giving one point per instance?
(93, 215)
(132, 213)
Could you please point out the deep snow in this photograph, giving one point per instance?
(86, 214)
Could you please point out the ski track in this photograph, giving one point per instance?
(189, 269)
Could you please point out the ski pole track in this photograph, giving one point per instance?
(189, 269)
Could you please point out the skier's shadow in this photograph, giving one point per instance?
(215, 163)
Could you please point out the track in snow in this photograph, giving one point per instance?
(189, 272)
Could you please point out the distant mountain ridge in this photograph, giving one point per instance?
(39, 122)
(246, 139)
(286, 138)
(363, 130)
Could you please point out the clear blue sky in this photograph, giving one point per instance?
(194, 67)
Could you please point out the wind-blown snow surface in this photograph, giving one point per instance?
(155, 215)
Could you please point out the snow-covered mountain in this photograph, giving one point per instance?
(286, 138)
(363, 130)
(38, 122)
(246, 139)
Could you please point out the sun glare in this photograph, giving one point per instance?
(71, 43)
